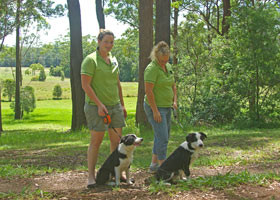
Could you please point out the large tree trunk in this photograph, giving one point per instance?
(226, 13)
(76, 58)
(175, 35)
(145, 47)
(162, 21)
(100, 14)
(18, 65)
(1, 127)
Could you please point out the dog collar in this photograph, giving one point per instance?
(191, 149)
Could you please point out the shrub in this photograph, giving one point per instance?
(27, 100)
(57, 92)
(9, 87)
(62, 76)
(42, 75)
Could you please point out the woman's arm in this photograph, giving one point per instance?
(151, 99)
(86, 85)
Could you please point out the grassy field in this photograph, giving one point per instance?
(41, 145)
(43, 90)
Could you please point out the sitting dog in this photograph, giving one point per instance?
(178, 163)
(118, 161)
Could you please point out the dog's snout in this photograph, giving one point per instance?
(200, 145)
(141, 139)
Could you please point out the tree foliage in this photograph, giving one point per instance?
(9, 87)
(27, 100)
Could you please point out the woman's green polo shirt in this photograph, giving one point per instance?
(104, 78)
(163, 82)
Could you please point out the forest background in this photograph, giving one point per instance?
(225, 74)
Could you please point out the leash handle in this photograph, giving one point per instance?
(175, 114)
(107, 119)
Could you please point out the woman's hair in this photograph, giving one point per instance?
(160, 49)
(104, 32)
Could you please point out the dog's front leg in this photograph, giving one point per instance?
(187, 172)
(128, 181)
(117, 175)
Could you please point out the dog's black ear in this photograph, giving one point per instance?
(129, 140)
(122, 139)
(189, 137)
(203, 135)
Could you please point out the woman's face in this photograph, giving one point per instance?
(106, 44)
(163, 59)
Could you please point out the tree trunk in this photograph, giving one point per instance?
(76, 58)
(145, 47)
(100, 14)
(226, 13)
(1, 127)
(175, 35)
(18, 65)
(163, 11)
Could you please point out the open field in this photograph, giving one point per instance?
(43, 90)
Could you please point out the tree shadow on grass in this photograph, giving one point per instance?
(244, 140)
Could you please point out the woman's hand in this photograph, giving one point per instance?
(175, 107)
(157, 116)
(102, 110)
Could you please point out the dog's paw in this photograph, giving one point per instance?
(129, 182)
(163, 183)
(166, 184)
(184, 179)
(112, 183)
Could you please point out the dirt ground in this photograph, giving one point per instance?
(72, 185)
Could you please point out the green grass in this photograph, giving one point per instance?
(43, 90)
(218, 182)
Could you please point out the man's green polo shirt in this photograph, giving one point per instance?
(163, 82)
(104, 78)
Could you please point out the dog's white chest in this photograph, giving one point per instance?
(125, 163)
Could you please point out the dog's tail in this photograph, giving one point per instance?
(164, 175)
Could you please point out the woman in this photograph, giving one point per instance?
(160, 97)
(100, 81)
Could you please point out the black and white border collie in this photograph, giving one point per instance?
(178, 163)
(118, 161)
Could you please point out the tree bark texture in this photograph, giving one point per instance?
(18, 65)
(76, 58)
(226, 13)
(145, 47)
(100, 14)
(163, 10)
(1, 127)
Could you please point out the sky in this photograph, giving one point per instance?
(60, 26)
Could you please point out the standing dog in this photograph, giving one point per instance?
(119, 161)
(179, 161)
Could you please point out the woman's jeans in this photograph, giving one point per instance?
(161, 130)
